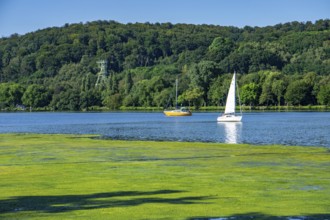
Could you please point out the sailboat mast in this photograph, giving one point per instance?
(176, 93)
(239, 98)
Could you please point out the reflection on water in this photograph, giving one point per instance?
(232, 131)
(287, 128)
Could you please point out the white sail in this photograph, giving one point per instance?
(231, 99)
(229, 115)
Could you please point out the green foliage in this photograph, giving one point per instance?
(219, 89)
(66, 100)
(201, 76)
(249, 94)
(144, 59)
(192, 96)
(296, 93)
(36, 96)
(220, 48)
(272, 88)
(323, 95)
(10, 94)
(112, 101)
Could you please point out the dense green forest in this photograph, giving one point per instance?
(57, 68)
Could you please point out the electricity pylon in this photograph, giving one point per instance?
(102, 75)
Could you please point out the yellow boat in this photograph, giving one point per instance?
(183, 111)
(178, 112)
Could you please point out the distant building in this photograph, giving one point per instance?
(20, 107)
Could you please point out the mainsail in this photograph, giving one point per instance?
(231, 99)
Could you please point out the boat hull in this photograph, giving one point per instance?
(229, 118)
(177, 113)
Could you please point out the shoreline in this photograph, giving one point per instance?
(317, 108)
(109, 138)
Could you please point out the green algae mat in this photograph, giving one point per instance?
(84, 177)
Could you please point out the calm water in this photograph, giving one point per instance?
(288, 128)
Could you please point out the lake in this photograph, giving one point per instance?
(287, 128)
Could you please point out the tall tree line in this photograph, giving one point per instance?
(285, 64)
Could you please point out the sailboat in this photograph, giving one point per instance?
(230, 114)
(183, 111)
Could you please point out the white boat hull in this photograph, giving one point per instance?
(229, 118)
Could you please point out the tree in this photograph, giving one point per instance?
(192, 96)
(311, 82)
(113, 102)
(161, 98)
(296, 93)
(89, 98)
(128, 83)
(218, 90)
(268, 96)
(323, 96)
(12, 71)
(130, 100)
(36, 96)
(15, 94)
(59, 58)
(278, 89)
(201, 76)
(141, 94)
(220, 48)
(10, 94)
(67, 99)
(249, 94)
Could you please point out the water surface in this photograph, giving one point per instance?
(288, 128)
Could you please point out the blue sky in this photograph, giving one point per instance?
(22, 16)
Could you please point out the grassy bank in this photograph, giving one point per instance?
(69, 177)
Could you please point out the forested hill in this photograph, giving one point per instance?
(57, 67)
